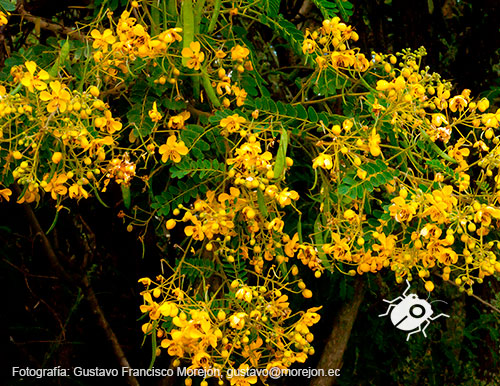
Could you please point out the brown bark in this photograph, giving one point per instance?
(332, 355)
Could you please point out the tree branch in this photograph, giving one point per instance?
(48, 25)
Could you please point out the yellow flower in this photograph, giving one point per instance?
(154, 114)
(244, 293)
(108, 122)
(339, 248)
(458, 102)
(237, 320)
(31, 81)
(56, 186)
(194, 55)
(309, 46)
(102, 40)
(59, 98)
(373, 143)
(173, 150)
(361, 173)
(77, 191)
(152, 307)
(195, 230)
(177, 121)
(5, 194)
(144, 280)
(219, 54)
(232, 123)
(484, 214)
(446, 256)
(483, 105)
(383, 85)
(239, 53)
(285, 197)
(401, 210)
(240, 94)
(170, 35)
(342, 59)
(3, 18)
(292, 245)
(324, 161)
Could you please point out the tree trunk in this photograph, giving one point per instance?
(336, 345)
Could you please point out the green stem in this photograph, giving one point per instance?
(155, 15)
(215, 15)
(187, 26)
(207, 85)
(172, 7)
(197, 15)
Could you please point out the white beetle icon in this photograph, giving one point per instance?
(411, 313)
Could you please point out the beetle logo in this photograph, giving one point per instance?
(410, 313)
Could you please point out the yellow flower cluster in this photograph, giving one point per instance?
(329, 46)
(79, 123)
(255, 326)
(127, 41)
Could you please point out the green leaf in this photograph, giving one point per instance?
(301, 112)
(126, 196)
(272, 7)
(313, 116)
(327, 8)
(286, 30)
(318, 240)
(279, 165)
(262, 203)
(7, 5)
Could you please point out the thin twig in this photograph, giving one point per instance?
(103, 322)
(473, 295)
